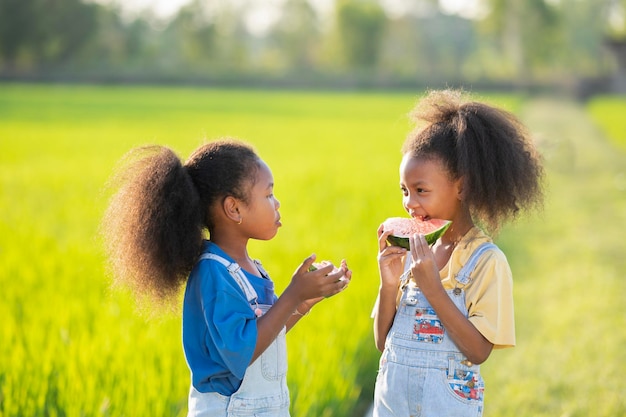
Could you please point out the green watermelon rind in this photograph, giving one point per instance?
(431, 237)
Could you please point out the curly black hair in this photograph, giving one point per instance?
(488, 147)
(157, 218)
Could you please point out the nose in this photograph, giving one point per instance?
(409, 201)
(276, 203)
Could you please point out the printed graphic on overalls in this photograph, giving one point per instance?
(427, 327)
(466, 384)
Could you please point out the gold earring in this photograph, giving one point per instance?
(240, 220)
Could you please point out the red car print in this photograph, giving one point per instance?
(427, 327)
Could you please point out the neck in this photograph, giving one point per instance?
(455, 232)
(235, 249)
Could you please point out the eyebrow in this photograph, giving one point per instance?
(415, 184)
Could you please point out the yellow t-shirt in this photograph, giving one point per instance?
(489, 295)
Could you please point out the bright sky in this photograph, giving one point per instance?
(262, 13)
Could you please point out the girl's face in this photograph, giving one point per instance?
(260, 216)
(427, 190)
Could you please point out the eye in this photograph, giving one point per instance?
(405, 192)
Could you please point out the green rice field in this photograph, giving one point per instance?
(609, 112)
(70, 345)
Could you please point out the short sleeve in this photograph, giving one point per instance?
(231, 323)
(489, 299)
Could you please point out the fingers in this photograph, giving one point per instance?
(348, 275)
(343, 264)
(392, 251)
(340, 285)
(418, 246)
(306, 264)
(340, 273)
(339, 279)
(323, 268)
(384, 249)
(382, 238)
(336, 275)
(347, 272)
(422, 257)
(321, 279)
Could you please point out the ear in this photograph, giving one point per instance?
(231, 208)
(460, 194)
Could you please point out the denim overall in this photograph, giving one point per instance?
(263, 391)
(422, 372)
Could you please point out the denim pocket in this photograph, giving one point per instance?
(466, 385)
(427, 327)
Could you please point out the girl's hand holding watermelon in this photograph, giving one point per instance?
(394, 237)
(390, 260)
(424, 270)
(312, 282)
(390, 265)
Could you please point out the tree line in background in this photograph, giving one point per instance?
(514, 42)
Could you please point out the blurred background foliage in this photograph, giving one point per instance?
(577, 45)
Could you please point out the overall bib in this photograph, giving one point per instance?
(263, 391)
(422, 372)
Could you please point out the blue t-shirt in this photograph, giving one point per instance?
(219, 326)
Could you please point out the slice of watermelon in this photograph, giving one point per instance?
(317, 265)
(403, 227)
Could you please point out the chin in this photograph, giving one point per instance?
(270, 235)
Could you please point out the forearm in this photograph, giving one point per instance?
(272, 322)
(384, 313)
(301, 311)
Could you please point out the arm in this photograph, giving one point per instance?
(468, 339)
(305, 289)
(384, 313)
(305, 307)
(390, 261)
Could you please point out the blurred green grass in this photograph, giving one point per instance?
(71, 346)
(67, 332)
(569, 271)
(609, 112)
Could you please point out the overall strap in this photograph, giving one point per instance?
(463, 276)
(237, 274)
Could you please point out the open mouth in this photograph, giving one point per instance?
(421, 218)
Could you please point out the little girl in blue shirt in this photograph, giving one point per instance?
(442, 309)
(234, 325)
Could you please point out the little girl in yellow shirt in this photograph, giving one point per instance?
(470, 164)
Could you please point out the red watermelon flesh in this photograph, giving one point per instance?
(403, 227)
